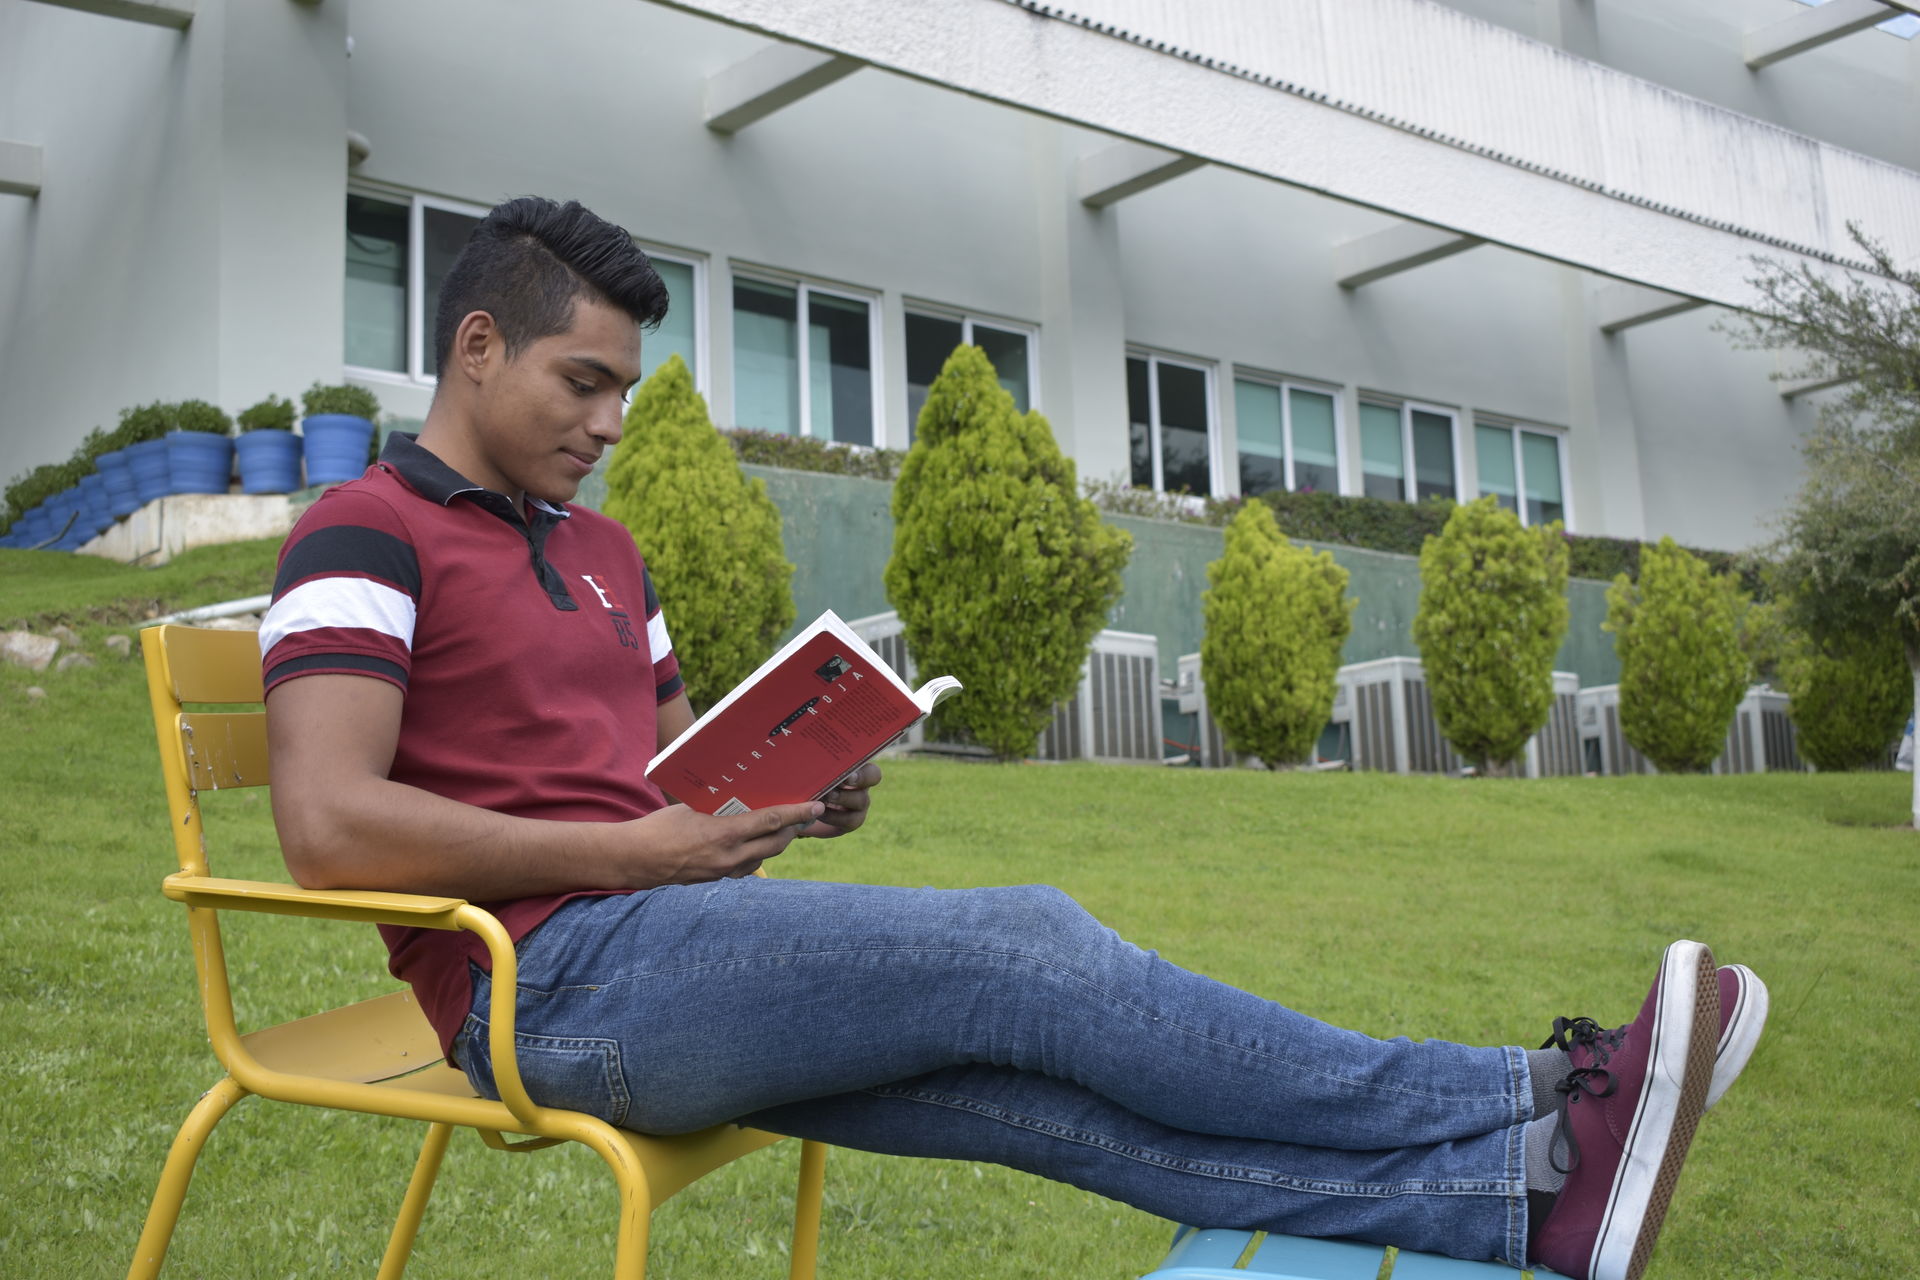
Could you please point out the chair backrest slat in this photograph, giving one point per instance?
(225, 749)
(214, 666)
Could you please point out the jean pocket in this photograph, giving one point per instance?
(575, 1073)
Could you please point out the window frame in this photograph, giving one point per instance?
(1284, 384)
(702, 347)
(805, 287)
(416, 204)
(1208, 371)
(1409, 477)
(967, 319)
(1514, 427)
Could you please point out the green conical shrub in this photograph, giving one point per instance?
(1493, 611)
(710, 536)
(1001, 572)
(1276, 618)
(1848, 698)
(1682, 670)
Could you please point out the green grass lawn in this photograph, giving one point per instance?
(1401, 906)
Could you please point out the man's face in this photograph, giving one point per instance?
(542, 419)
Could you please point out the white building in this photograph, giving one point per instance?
(1390, 246)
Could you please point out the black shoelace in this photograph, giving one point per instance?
(1593, 1080)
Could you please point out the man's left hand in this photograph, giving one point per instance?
(847, 803)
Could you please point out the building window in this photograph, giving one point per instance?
(679, 334)
(1288, 437)
(1523, 469)
(931, 338)
(1170, 415)
(814, 379)
(398, 255)
(1390, 435)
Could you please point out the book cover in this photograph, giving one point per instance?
(813, 713)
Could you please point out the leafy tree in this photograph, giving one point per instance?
(711, 537)
(1848, 698)
(1276, 618)
(1849, 550)
(1000, 571)
(1493, 610)
(1682, 670)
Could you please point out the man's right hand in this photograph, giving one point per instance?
(678, 845)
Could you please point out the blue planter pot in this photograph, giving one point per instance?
(269, 461)
(200, 461)
(123, 496)
(95, 514)
(33, 527)
(65, 509)
(336, 447)
(152, 478)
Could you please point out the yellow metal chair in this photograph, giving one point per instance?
(378, 1056)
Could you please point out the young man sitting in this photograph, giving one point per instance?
(466, 679)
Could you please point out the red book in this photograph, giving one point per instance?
(812, 714)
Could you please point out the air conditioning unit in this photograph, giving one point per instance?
(1389, 716)
(1761, 738)
(1555, 752)
(1114, 715)
(1193, 702)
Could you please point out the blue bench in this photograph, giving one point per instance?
(1215, 1254)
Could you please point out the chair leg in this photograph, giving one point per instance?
(806, 1210)
(414, 1207)
(636, 1201)
(174, 1176)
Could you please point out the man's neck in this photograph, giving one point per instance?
(448, 438)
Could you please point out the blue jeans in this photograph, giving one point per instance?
(1007, 1025)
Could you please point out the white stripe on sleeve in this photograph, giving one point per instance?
(339, 602)
(657, 641)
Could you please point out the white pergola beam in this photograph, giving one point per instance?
(1365, 259)
(177, 14)
(21, 165)
(1621, 306)
(777, 76)
(1811, 29)
(1126, 169)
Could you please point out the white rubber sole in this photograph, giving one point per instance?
(1680, 1066)
(1745, 1020)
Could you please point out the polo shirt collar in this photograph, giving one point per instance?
(436, 481)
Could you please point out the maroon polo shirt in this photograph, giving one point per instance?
(532, 655)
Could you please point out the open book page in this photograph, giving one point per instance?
(814, 712)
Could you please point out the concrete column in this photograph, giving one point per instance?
(283, 182)
(1083, 333)
(1605, 481)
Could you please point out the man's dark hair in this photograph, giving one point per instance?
(526, 263)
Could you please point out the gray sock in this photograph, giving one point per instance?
(1547, 1067)
(1541, 1175)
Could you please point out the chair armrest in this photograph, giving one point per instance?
(368, 905)
(420, 911)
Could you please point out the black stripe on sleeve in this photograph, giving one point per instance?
(351, 548)
(666, 692)
(338, 662)
(653, 597)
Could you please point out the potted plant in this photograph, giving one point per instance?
(96, 506)
(338, 430)
(268, 451)
(199, 452)
(143, 434)
(123, 494)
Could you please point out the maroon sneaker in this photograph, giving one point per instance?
(1628, 1117)
(1743, 1015)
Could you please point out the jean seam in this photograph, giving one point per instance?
(1224, 1173)
(612, 1067)
(1506, 1096)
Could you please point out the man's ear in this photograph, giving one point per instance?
(477, 344)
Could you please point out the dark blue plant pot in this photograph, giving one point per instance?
(152, 478)
(123, 495)
(66, 520)
(336, 446)
(269, 461)
(33, 526)
(96, 516)
(200, 461)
